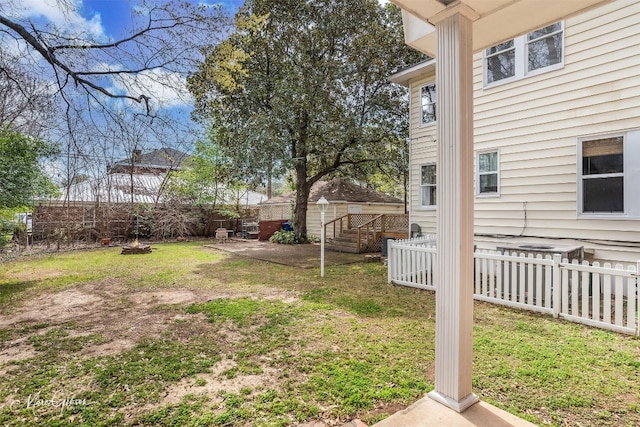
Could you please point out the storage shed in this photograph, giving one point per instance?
(344, 198)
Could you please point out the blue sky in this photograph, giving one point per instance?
(112, 19)
(109, 20)
(115, 15)
(103, 20)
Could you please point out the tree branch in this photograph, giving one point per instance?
(50, 57)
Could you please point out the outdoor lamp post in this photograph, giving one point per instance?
(322, 205)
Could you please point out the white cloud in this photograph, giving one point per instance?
(166, 89)
(63, 14)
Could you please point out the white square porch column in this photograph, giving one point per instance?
(452, 44)
(454, 199)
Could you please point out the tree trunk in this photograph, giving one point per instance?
(302, 199)
(303, 184)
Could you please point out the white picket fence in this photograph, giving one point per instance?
(602, 296)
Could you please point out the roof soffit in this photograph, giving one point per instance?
(499, 20)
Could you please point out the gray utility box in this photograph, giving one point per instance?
(520, 283)
(566, 252)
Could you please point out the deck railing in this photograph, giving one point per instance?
(604, 296)
(370, 228)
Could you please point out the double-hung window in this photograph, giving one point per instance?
(428, 104)
(487, 173)
(500, 61)
(538, 51)
(608, 176)
(544, 47)
(603, 175)
(428, 185)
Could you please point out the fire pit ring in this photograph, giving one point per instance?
(136, 248)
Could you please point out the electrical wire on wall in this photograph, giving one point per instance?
(524, 226)
(614, 243)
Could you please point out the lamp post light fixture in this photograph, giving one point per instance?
(323, 205)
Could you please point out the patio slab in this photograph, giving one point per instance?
(426, 412)
(302, 256)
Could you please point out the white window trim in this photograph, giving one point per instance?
(580, 198)
(420, 185)
(478, 193)
(432, 123)
(521, 51)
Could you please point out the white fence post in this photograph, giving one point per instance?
(556, 285)
(638, 298)
(389, 261)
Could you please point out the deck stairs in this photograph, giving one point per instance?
(347, 241)
(363, 233)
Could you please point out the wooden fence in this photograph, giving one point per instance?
(77, 221)
(604, 296)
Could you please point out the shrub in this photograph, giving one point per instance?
(285, 237)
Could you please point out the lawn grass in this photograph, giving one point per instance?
(272, 345)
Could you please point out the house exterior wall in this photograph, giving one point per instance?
(535, 124)
(422, 151)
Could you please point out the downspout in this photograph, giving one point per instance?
(409, 191)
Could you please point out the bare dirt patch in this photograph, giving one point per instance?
(213, 383)
(122, 316)
(14, 352)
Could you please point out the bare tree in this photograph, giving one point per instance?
(102, 87)
(26, 102)
(162, 45)
(94, 80)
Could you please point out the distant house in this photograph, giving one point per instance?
(344, 198)
(116, 188)
(160, 161)
(146, 188)
(556, 137)
(139, 179)
(142, 178)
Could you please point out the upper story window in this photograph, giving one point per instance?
(487, 175)
(428, 104)
(544, 47)
(428, 185)
(500, 61)
(538, 51)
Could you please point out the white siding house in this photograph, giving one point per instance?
(556, 136)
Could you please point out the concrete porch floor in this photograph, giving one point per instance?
(426, 412)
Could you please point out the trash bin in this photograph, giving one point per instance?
(385, 245)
